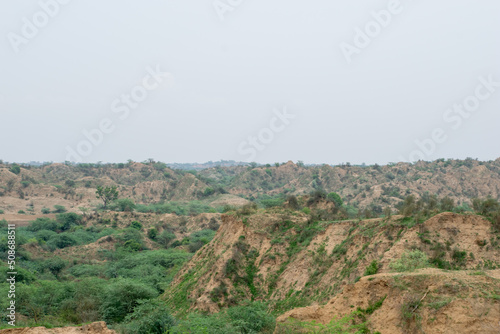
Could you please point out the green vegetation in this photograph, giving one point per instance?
(16, 169)
(250, 317)
(179, 208)
(354, 322)
(107, 194)
(372, 269)
(410, 261)
(122, 288)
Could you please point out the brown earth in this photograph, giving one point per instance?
(337, 255)
(93, 328)
(451, 302)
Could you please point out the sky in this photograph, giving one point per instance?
(268, 81)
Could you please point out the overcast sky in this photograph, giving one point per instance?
(269, 81)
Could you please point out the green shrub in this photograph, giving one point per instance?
(45, 211)
(165, 238)
(68, 220)
(55, 265)
(149, 317)
(251, 318)
(86, 270)
(43, 224)
(61, 241)
(218, 323)
(45, 235)
(136, 225)
(59, 209)
(1, 212)
(410, 261)
(131, 239)
(372, 269)
(152, 233)
(124, 205)
(16, 169)
(335, 198)
(121, 297)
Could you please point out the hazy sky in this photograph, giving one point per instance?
(269, 81)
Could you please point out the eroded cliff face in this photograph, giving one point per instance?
(427, 301)
(286, 258)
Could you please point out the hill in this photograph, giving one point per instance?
(369, 189)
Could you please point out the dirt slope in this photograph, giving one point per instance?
(93, 328)
(292, 261)
(428, 301)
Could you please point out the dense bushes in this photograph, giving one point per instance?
(251, 317)
(149, 317)
(121, 297)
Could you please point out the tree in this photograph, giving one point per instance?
(15, 169)
(447, 204)
(335, 198)
(107, 194)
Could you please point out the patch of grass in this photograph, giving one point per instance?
(437, 304)
(372, 307)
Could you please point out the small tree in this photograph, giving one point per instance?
(335, 198)
(16, 169)
(107, 194)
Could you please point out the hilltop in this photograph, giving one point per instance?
(34, 188)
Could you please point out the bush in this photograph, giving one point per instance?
(55, 265)
(136, 225)
(152, 233)
(68, 220)
(16, 169)
(59, 209)
(45, 211)
(45, 235)
(372, 269)
(335, 198)
(218, 323)
(251, 318)
(410, 261)
(124, 205)
(155, 268)
(2, 212)
(43, 224)
(149, 317)
(121, 297)
(131, 239)
(165, 238)
(61, 241)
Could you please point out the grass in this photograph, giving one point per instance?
(440, 303)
